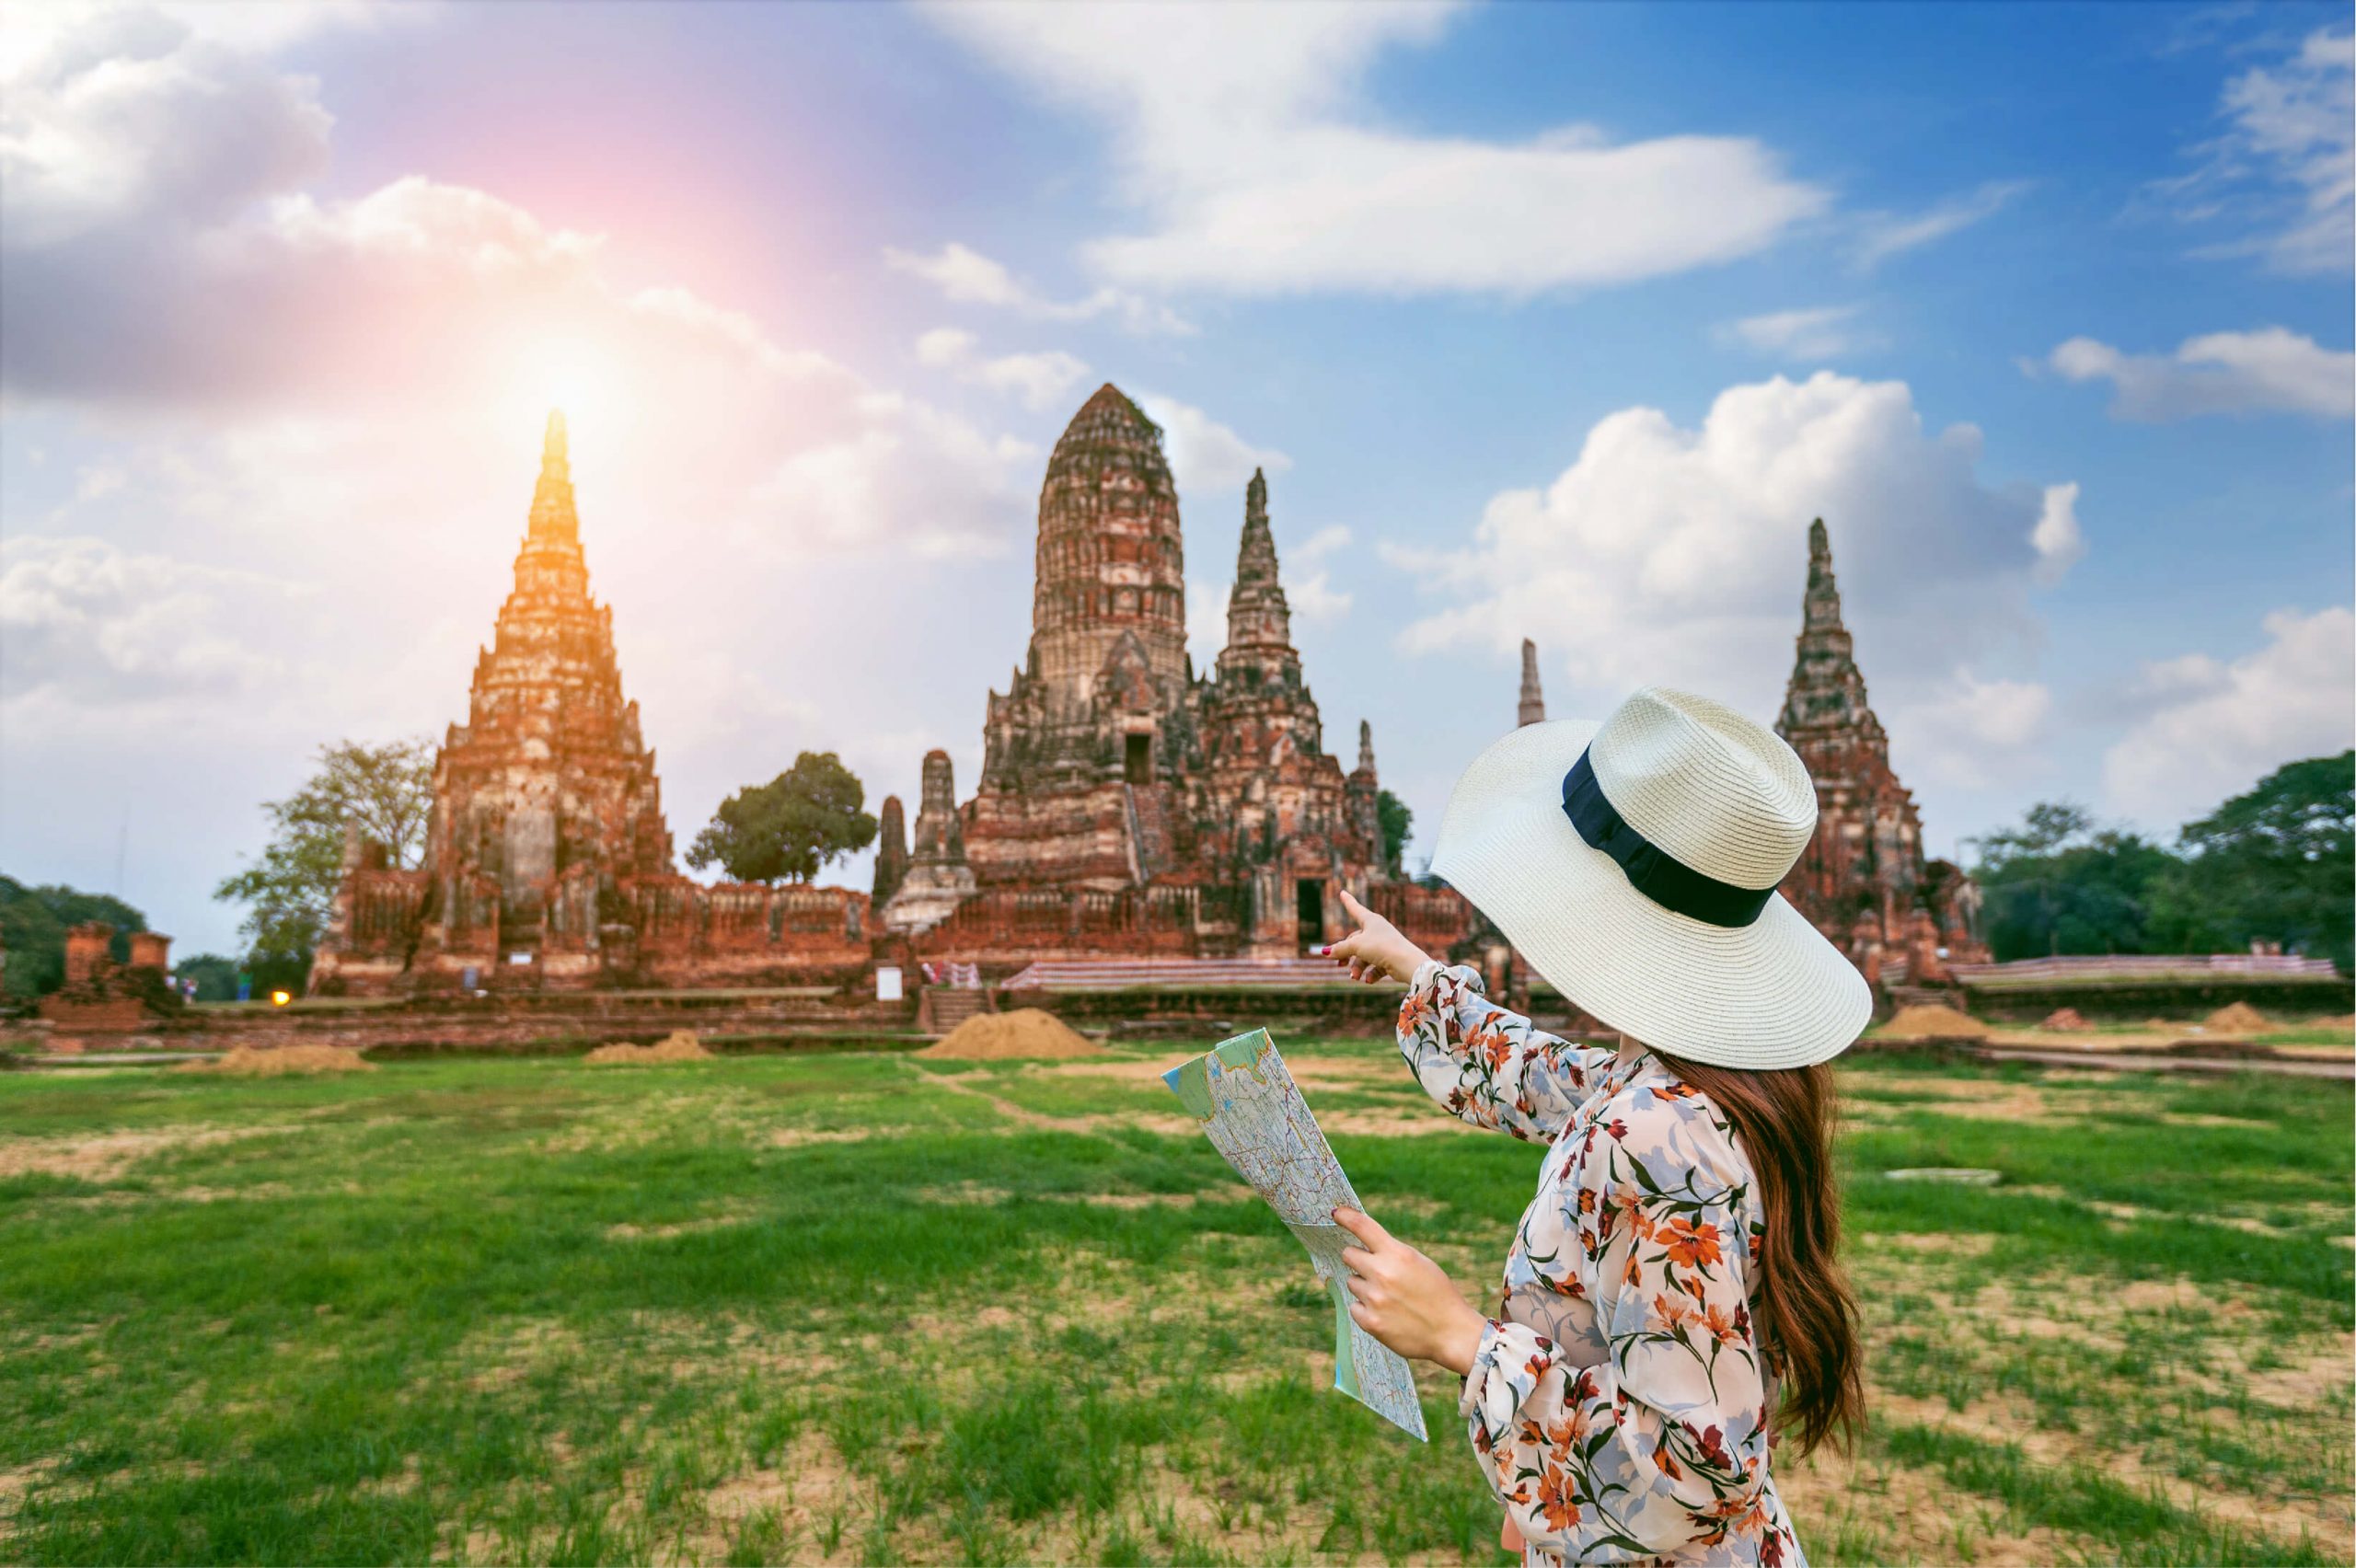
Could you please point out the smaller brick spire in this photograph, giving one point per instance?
(1257, 616)
(1534, 700)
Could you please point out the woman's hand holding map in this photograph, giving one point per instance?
(1404, 1300)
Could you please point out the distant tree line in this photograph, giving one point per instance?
(2274, 865)
(32, 924)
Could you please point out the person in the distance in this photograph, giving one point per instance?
(1674, 1314)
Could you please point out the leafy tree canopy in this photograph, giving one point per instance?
(2271, 865)
(216, 976)
(33, 922)
(789, 827)
(2277, 865)
(1396, 820)
(386, 790)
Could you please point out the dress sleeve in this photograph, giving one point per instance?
(1662, 1447)
(1487, 1066)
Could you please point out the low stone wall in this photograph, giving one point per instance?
(1304, 1010)
(2288, 997)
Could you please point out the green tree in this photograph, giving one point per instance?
(386, 790)
(1396, 820)
(2277, 864)
(789, 827)
(32, 924)
(2060, 883)
(216, 976)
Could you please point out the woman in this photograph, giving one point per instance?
(1673, 1307)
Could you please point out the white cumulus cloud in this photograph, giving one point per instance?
(2059, 543)
(1676, 554)
(1040, 380)
(1971, 734)
(2272, 370)
(1211, 462)
(965, 276)
(2282, 172)
(1240, 136)
(2216, 727)
(1821, 332)
(1888, 235)
(88, 623)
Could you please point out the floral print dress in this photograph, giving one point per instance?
(1618, 1402)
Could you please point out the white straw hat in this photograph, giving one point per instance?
(1633, 865)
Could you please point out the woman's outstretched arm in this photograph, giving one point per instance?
(1482, 1063)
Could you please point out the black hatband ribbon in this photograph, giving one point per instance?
(1651, 870)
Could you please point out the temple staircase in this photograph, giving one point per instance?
(1149, 831)
(942, 1008)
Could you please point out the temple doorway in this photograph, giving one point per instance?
(1136, 766)
(1309, 906)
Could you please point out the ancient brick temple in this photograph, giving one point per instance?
(1863, 880)
(1126, 805)
(938, 877)
(100, 994)
(547, 862)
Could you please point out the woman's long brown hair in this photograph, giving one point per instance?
(1801, 1298)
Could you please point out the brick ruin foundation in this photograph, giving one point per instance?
(101, 993)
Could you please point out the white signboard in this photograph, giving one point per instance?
(887, 983)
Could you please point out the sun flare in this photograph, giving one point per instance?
(577, 376)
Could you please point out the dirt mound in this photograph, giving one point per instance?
(2066, 1019)
(1935, 1021)
(1025, 1031)
(2235, 1018)
(245, 1061)
(679, 1045)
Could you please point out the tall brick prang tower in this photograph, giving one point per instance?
(549, 780)
(547, 862)
(1111, 565)
(1863, 880)
(1080, 751)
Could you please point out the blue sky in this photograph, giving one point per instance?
(1546, 321)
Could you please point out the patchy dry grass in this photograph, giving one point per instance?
(861, 1308)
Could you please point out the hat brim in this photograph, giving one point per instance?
(1772, 994)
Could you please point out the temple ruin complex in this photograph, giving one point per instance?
(1863, 880)
(1128, 806)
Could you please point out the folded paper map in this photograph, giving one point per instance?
(1253, 1115)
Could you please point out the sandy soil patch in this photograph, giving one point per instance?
(104, 1157)
(679, 1045)
(282, 1061)
(1910, 1515)
(795, 1137)
(627, 1231)
(807, 1486)
(1933, 1022)
(2237, 1018)
(1967, 1244)
(2002, 1420)
(1025, 1031)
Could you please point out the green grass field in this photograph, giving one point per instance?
(865, 1308)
